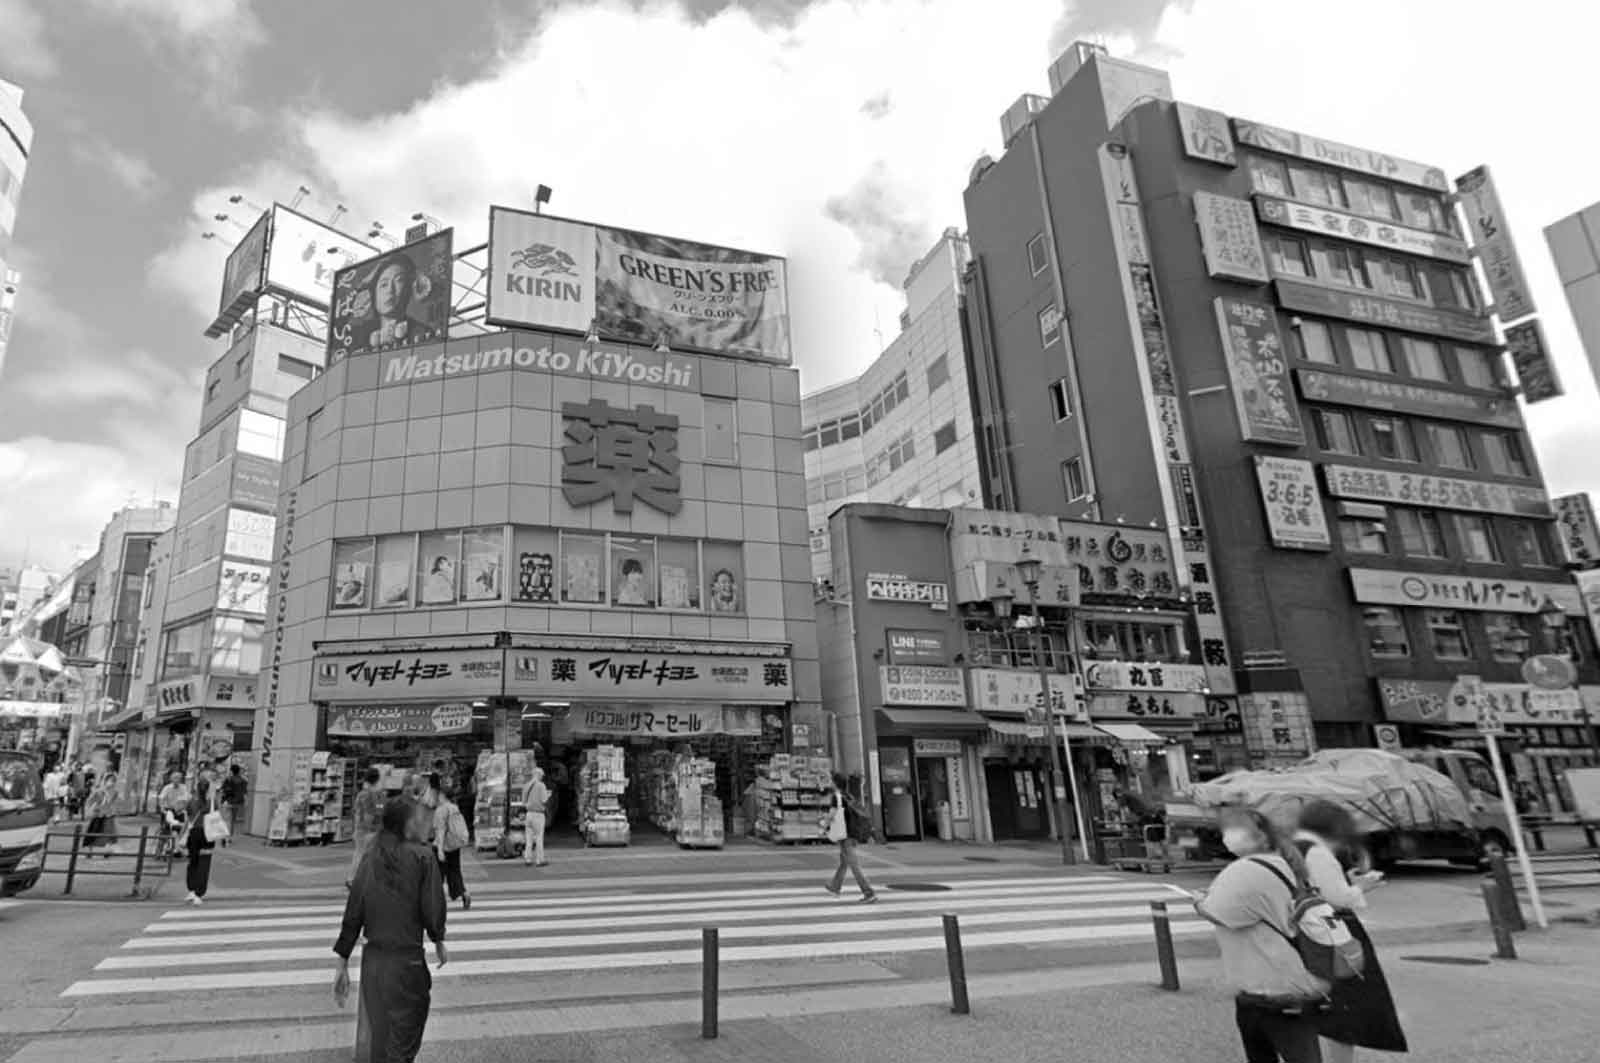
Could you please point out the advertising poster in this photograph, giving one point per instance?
(1229, 238)
(1536, 370)
(255, 482)
(1206, 134)
(1491, 233)
(916, 647)
(1447, 492)
(249, 535)
(1580, 535)
(553, 273)
(922, 685)
(633, 572)
(373, 721)
(1324, 220)
(399, 299)
(242, 276)
(304, 256)
(480, 553)
(1293, 504)
(1259, 372)
(243, 588)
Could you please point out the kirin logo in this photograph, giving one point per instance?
(545, 262)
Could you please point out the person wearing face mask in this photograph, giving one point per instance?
(1277, 1002)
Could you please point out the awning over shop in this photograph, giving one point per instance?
(930, 721)
(1131, 734)
(1011, 733)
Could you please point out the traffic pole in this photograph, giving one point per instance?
(1516, 830)
(1510, 906)
(1505, 945)
(708, 983)
(1165, 957)
(958, 966)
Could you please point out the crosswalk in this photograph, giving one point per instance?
(252, 947)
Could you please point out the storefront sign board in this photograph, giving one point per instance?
(662, 676)
(1428, 701)
(1580, 534)
(1368, 393)
(1206, 134)
(1295, 518)
(662, 722)
(922, 685)
(243, 588)
(382, 721)
(1325, 221)
(1446, 492)
(1169, 705)
(890, 587)
(180, 694)
(1486, 218)
(937, 747)
(1140, 678)
(1442, 591)
(993, 535)
(1332, 153)
(1530, 355)
(1119, 560)
(1012, 692)
(1373, 310)
(917, 647)
(249, 535)
(956, 773)
(412, 675)
(255, 482)
(1258, 371)
(541, 353)
(1229, 238)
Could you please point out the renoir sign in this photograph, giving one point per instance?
(524, 351)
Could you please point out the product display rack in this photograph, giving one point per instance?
(698, 810)
(793, 795)
(602, 784)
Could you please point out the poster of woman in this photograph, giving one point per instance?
(633, 573)
(397, 299)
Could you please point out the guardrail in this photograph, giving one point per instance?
(150, 859)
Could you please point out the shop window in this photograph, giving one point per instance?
(1530, 545)
(633, 572)
(679, 564)
(1392, 438)
(724, 570)
(1038, 258)
(938, 373)
(1422, 211)
(1503, 453)
(1316, 343)
(720, 437)
(1420, 532)
(1072, 480)
(1287, 255)
(483, 564)
(1509, 641)
(1336, 431)
(944, 437)
(438, 565)
(1395, 276)
(1386, 631)
(1269, 176)
(1049, 325)
(533, 555)
(1060, 399)
(1476, 368)
(1316, 186)
(1448, 634)
(583, 566)
(1363, 535)
(352, 573)
(1423, 359)
(1477, 539)
(180, 650)
(1450, 446)
(392, 581)
(236, 646)
(1368, 350)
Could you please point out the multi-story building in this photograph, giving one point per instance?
(21, 592)
(16, 139)
(1575, 247)
(115, 601)
(901, 432)
(1274, 347)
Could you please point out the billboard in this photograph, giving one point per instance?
(1258, 371)
(1536, 369)
(397, 299)
(1502, 267)
(243, 588)
(1580, 534)
(304, 255)
(242, 277)
(1295, 519)
(553, 273)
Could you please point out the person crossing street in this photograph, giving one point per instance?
(846, 825)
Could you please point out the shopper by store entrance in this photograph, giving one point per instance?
(536, 800)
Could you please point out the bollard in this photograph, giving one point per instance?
(1505, 946)
(72, 857)
(138, 861)
(1164, 954)
(708, 984)
(1510, 906)
(958, 967)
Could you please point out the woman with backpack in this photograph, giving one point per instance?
(1361, 1013)
(1278, 1001)
(843, 815)
(449, 838)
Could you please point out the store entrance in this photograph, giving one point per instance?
(1018, 794)
(933, 793)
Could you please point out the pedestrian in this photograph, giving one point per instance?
(101, 833)
(55, 791)
(846, 825)
(1361, 1011)
(535, 803)
(368, 821)
(234, 788)
(198, 842)
(449, 838)
(1278, 1003)
(77, 791)
(395, 900)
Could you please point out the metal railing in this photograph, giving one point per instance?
(150, 859)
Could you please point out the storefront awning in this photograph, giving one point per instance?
(930, 721)
(1131, 734)
(1010, 733)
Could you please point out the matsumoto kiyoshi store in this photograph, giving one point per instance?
(578, 542)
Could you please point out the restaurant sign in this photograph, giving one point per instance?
(1143, 677)
(1337, 388)
(1497, 252)
(1008, 692)
(1361, 160)
(382, 721)
(920, 685)
(1412, 489)
(995, 535)
(1580, 535)
(1169, 705)
(666, 676)
(1119, 560)
(1293, 504)
(1428, 701)
(1206, 134)
(1440, 591)
(1258, 371)
(1373, 310)
(1229, 238)
(412, 675)
(1326, 221)
(1536, 369)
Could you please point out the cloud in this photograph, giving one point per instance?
(891, 237)
(213, 35)
(877, 106)
(23, 50)
(1134, 21)
(129, 378)
(132, 172)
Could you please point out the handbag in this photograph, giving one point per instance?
(836, 822)
(215, 826)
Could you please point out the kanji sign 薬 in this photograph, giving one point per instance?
(621, 455)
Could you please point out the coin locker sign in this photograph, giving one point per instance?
(922, 686)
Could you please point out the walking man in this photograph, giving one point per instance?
(535, 798)
(847, 823)
(369, 818)
(233, 791)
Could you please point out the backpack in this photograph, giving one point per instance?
(1321, 936)
(455, 830)
(856, 825)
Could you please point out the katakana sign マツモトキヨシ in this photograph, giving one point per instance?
(620, 454)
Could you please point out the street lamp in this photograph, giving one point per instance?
(1554, 619)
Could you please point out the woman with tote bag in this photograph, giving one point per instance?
(204, 828)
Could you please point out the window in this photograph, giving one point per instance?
(944, 437)
(1386, 631)
(833, 487)
(1269, 176)
(1463, 290)
(1060, 400)
(866, 420)
(855, 481)
(724, 577)
(483, 564)
(391, 586)
(241, 367)
(1450, 447)
(180, 651)
(1529, 544)
(1420, 532)
(1509, 641)
(439, 568)
(1369, 197)
(583, 566)
(830, 433)
(721, 434)
(1316, 186)
(810, 440)
(211, 389)
(679, 564)
(352, 574)
(533, 562)
(1447, 633)
(1503, 453)
(1394, 276)
(938, 373)
(1368, 351)
(1422, 211)
(1363, 535)
(1287, 255)
(1392, 438)
(1072, 479)
(236, 646)
(297, 368)
(1477, 539)
(902, 388)
(1038, 259)
(1423, 359)
(1316, 343)
(849, 428)
(633, 573)
(1476, 368)
(1339, 265)
(1049, 325)
(1336, 431)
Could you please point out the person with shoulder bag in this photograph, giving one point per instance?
(449, 838)
(203, 828)
(845, 825)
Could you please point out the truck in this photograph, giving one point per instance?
(24, 822)
(1424, 804)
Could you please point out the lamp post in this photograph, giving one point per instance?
(1554, 619)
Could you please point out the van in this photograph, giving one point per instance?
(1475, 778)
(24, 822)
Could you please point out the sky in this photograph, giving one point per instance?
(837, 132)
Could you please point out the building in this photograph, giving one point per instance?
(901, 433)
(1274, 347)
(1575, 247)
(15, 144)
(21, 592)
(549, 541)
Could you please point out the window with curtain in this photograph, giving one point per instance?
(1386, 631)
(1448, 634)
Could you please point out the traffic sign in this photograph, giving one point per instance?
(1388, 736)
(1546, 671)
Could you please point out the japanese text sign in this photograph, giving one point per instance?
(1010, 692)
(372, 721)
(1143, 677)
(1580, 535)
(1443, 591)
(663, 722)
(917, 647)
(1536, 370)
(888, 587)
(1361, 160)
(1293, 505)
(664, 676)
(1229, 238)
(408, 676)
(1120, 560)
(1376, 485)
(1206, 134)
(1375, 310)
(1403, 397)
(620, 454)
(1310, 218)
(1258, 371)
(1508, 285)
(922, 686)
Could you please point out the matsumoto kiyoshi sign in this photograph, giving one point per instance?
(561, 355)
(553, 273)
(408, 675)
(664, 676)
